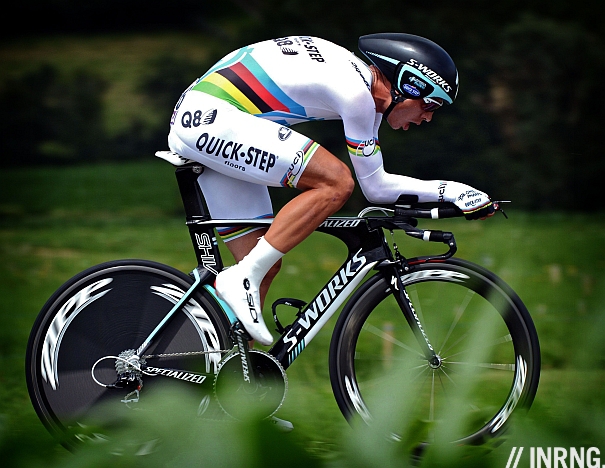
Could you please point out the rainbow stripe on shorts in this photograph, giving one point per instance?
(229, 233)
(300, 162)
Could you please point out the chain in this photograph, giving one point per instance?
(188, 353)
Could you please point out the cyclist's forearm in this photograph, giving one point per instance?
(383, 187)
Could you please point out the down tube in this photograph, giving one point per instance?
(314, 316)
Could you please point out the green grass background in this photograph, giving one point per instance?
(55, 222)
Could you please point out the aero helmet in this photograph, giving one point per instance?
(416, 67)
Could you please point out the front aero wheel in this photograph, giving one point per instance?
(108, 311)
(488, 355)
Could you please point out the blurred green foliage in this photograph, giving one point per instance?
(57, 221)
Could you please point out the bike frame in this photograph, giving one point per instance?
(367, 250)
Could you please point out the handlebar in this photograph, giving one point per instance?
(450, 211)
(405, 218)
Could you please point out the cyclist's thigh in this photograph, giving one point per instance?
(239, 145)
(229, 198)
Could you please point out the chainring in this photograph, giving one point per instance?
(236, 397)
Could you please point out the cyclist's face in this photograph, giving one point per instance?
(408, 112)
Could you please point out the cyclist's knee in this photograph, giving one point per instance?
(329, 174)
(341, 183)
(347, 182)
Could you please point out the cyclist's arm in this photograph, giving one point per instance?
(379, 186)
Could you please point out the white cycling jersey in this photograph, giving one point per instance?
(235, 120)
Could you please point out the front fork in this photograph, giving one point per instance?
(409, 312)
(401, 265)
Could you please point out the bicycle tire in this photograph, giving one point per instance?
(107, 309)
(482, 331)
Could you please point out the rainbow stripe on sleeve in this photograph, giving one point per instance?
(363, 148)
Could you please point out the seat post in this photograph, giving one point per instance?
(193, 199)
(203, 237)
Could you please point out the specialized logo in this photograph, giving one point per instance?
(198, 118)
(284, 133)
(420, 327)
(287, 51)
(361, 74)
(336, 223)
(245, 370)
(177, 374)
(414, 277)
(234, 154)
(432, 75)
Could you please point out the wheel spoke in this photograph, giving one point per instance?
(432, 405)
(385, 336)
(460, 312)
(487, 365)
(503, 339)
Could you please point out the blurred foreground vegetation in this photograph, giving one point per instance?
(55, 222)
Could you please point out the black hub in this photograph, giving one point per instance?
(435, 362)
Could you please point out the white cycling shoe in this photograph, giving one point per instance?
(234, 287)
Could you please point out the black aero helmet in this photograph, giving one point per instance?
(416, 67)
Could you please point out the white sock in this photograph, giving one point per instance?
(259, 261)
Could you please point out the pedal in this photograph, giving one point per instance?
(290, 302)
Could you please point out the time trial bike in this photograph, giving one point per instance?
(416, 329)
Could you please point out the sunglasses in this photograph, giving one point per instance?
(430, 104)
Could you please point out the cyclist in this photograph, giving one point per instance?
(236, 119)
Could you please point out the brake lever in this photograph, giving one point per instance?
(498, 207)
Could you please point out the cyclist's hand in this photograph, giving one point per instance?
(475, 204)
